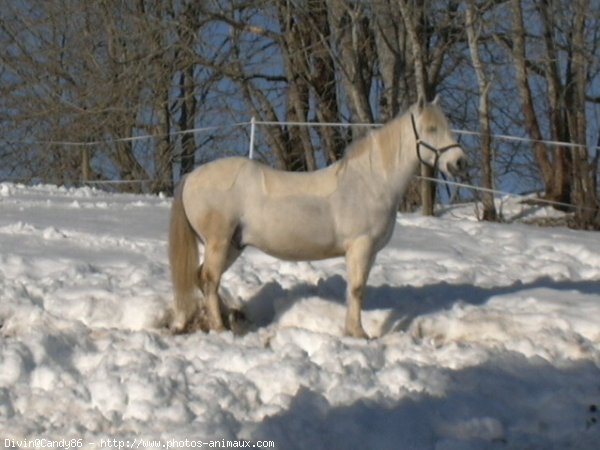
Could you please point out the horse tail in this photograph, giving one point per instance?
(183, 259)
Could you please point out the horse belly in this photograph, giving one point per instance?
(294, 228)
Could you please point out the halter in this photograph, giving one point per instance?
(438, 151)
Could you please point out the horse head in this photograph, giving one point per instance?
(435, 144)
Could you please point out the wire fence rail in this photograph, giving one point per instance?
(253, 124)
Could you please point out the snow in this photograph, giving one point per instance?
(486, 336)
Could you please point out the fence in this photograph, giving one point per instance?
(253, 124)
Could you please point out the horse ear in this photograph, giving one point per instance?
(436, 100)
(421, 103)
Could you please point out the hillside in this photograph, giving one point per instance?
(486, 336)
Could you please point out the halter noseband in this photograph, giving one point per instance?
(438, 151)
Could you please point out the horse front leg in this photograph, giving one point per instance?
(359, 259)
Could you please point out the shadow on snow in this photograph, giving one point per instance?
(509, 402)
(405, 302)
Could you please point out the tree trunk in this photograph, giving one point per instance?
(489, 209)
(560, 188)
(293, 23)
(584, 172)
(163, 154)
(186, 121)
(531, 122)
(427, 186)
(355, 59)
(187, 91)
(390, 39)
(323, 82)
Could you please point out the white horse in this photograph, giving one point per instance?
(347, 209)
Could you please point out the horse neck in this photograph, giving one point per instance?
(390, 158)
(398, 142)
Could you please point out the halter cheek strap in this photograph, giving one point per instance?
(438, 151)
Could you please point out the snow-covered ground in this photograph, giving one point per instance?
(487, 337)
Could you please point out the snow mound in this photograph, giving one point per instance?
(486, 336)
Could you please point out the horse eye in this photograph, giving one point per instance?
(432, 129)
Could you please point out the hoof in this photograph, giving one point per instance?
(184, 325)
(231, 319)
(178, 325)
(237, 321)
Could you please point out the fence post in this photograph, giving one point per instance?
(252, 128)
(85, 164)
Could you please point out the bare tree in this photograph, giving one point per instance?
(323, 80)
(349, 22)
(569, 175)
(425, 24)
(104, 73)
(295, 43)
(471, 22)
(587, 214)
(421, 82)
(186, 30)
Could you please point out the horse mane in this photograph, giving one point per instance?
(391, 133)
(388, 134)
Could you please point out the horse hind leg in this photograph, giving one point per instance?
(219, 255)
(232, 256)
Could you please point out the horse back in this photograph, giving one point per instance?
(218, 175)
(279, 183)
(235, 173)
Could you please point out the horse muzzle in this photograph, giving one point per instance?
(458, 168)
